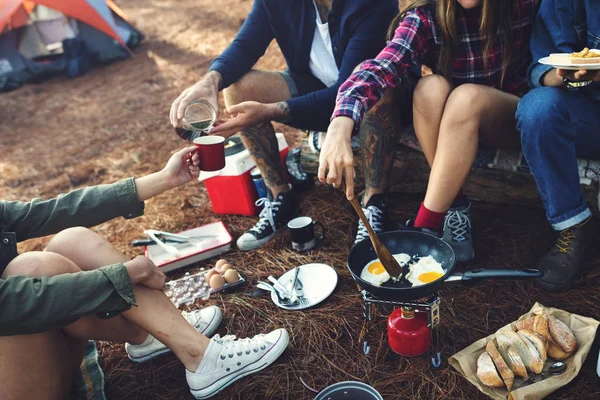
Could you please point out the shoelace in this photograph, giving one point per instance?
(266, 216)
(375, 217)
(564, 243)
(193, 317)
(459, 223)
(232, 346)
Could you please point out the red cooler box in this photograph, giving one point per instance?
(231, 190)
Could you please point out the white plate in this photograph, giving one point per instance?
(572, 67)
(318, 282)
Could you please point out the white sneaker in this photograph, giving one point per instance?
(206, 321)
(228, 359)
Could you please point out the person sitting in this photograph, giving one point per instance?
(559, 121)
(81, 288)
(322, 42)
(478, 51)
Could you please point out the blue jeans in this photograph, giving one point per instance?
(557, 126)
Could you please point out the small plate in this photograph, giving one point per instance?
(571, 67)
(318, 282)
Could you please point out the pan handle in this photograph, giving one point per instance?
(502, 273)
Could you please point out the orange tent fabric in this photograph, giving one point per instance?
(14, 12)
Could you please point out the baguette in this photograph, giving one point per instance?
(505, 372)
(524, 349)
(512, 358)
(486, 371)
(562, 335)
(538, 341)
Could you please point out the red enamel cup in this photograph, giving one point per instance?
(211, 151)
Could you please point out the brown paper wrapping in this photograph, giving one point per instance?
(583, 328)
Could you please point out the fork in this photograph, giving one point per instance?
(301, 299)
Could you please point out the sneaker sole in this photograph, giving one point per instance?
(211, 328)
(255, 245)
(268, 359)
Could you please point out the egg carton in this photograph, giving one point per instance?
(192, 287)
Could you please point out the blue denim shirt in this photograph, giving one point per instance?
(564, 26)
(357, 28)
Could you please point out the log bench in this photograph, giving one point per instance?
(497, 176)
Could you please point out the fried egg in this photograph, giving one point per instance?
(426, 270)
(375, 273)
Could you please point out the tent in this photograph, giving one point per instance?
(44, 38)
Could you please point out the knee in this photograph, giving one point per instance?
(431, 91)
(74, 240)
(239, 91)
(538, 112)
(38, 263)
(466, 103)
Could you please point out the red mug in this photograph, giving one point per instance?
(211, 151)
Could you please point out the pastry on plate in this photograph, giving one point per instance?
(585, 56)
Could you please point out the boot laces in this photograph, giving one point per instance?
(375, 216)
(267, 215)
(564, 243)
(459, 224)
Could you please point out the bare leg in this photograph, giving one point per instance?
(429, 101)
(378, 138)
(260, 140)
(38, 366)
(88, 250)
(155, 313)
(472, 113)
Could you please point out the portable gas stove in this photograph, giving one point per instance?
(429, 305)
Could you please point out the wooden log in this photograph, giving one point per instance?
(411, 173)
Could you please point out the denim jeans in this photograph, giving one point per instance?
(557, 126)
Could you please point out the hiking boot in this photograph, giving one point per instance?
(228, 359)
(410, 226)
(205, 321)
(274, 215)
(376, 213)
(562, 265)
(457, 232)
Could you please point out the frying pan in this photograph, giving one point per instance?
(421, 244)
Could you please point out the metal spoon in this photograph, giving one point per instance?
(265, 286)
(554, 369)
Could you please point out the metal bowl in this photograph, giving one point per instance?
(349, 390)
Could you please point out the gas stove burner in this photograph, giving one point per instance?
(429, 305)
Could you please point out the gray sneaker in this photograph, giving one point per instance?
(457, 233)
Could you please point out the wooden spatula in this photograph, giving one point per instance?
(387, 259)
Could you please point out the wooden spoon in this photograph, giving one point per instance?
(387, 259)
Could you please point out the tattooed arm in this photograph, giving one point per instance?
(249, 114)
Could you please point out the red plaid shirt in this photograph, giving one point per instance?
(418, 40)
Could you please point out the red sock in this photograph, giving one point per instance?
(429, 219)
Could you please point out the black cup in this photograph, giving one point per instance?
(303, 233)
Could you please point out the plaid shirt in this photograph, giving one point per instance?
(418, 40)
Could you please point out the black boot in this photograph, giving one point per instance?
(562, 265)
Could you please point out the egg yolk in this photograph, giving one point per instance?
(429, 277)
(376, 268)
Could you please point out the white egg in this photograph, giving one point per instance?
(402, 258)
(426, 270)
(374, 273)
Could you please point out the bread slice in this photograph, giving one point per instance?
(511, 356)
(486, 371)
(555, 353)
(585, 56)
(527, 323)
(538, 341)
(560, 58)
(505, 372)
(524, 349)
(562, 335)
(540, 326)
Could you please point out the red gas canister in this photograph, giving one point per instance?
(408, 332)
